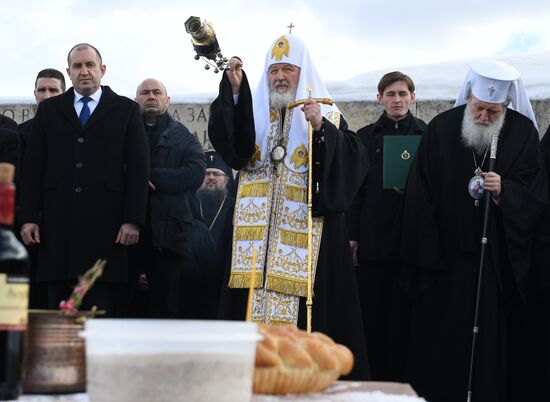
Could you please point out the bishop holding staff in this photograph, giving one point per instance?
(442, 235)
(268, 143)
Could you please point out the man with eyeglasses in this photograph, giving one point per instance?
(215, 204)
(177, 170)
(213, 207)
(214, 177)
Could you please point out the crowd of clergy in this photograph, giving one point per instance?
(424, 246)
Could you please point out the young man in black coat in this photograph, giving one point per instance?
(177, 170)
(49, 82)
(374, 225)
(84, 185)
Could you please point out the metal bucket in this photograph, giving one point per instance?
(54, 359)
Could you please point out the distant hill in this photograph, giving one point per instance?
(443, 81)
(440, 81)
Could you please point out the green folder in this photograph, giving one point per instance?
(399, 151)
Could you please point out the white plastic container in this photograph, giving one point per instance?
(169, 360)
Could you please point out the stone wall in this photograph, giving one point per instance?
(358, 114)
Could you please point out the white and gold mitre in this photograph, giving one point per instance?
(288, 48)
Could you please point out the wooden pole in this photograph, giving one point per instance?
(309, 300)
(251, 288)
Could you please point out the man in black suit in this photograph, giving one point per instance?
(84, 185)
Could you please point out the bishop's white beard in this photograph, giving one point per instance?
(477, 136)
(280, 101)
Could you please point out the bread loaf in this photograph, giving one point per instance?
(289, 360)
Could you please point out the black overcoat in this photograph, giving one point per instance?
(373, 219)
(177, 169)
(441, 245)
(80, 184)
(10, 147)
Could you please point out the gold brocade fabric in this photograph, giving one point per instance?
(271, 219)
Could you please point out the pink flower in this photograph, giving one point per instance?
(80, 290)
(68, 307)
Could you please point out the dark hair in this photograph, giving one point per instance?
(392, 77)
(51, 73)
(82, 46)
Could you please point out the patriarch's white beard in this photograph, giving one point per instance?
(477, 136)
(279, 101)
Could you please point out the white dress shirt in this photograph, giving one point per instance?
(91, 104)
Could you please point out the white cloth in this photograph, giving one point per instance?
(496, 82)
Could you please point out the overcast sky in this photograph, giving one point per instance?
(140, 39)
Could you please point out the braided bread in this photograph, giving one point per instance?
(289, 360)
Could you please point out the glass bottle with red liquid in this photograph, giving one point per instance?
(14, 290)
